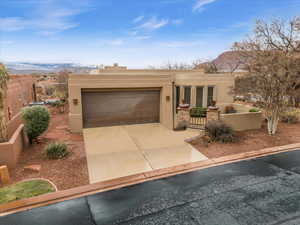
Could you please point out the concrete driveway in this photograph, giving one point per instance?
(258, 191)
(120, 151)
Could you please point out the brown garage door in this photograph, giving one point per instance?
(120, 107)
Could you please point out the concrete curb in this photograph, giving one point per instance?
(60, 196)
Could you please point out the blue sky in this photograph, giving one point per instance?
(135, 33)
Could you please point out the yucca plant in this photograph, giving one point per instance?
(4, 77)
(56, 150)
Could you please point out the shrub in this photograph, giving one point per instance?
(56, 150)
(57, 104)
(230, 109)
(198, 112)
(36, 119)
(254, 110)
(219, 131)
(290, 117)
(49, 90)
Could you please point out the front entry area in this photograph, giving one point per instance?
(119, 151)
(110, 107)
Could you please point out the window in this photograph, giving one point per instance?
(187, 95)
(177, 96)
(199, 97)
(210, 95)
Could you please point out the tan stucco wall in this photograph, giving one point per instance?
(222, 82)
(120, 80)
(239, 107)
(163, 79)
(243, 119)
(13, 124)
(11, 150)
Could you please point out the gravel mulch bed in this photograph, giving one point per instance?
(66, 173)
(251, 141)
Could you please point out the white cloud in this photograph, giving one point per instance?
(200, 3)
(142, 37)
(12, 24)
(177, 21)
(138, 19)
(110, 42)
(180, 44)
(47, 18)
(154, 24)
(116, 42)
(2, 43)
(133, 32)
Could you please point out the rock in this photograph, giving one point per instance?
(4, 175)
(62, 127)
(33, 168)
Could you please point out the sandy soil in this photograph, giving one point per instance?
(65, 173)
(251, 141)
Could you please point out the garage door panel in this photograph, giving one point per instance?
(120, 107)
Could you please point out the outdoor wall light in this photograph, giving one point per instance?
(168, 98)
(75, 101)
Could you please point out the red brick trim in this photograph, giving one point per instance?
(60, 196)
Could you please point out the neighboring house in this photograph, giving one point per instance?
(20, 92)
(119, 96)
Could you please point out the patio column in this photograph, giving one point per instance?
(183, 118)
(181, 94)
(213, 113)
(193, 96)
(205, 90)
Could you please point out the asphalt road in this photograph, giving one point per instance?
(258, 191)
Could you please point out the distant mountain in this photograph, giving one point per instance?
(43, 68)
(229, 61)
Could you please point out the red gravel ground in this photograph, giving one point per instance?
(251, 141)
(66, 173)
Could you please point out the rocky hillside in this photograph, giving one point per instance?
(228, 62)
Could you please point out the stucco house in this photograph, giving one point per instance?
(118, 96)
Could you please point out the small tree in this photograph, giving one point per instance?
(271, 57)
(63, 79)
(3, 94)
(173, 66)
(209, 66)
(36, 120)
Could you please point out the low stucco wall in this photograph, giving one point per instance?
(13, 124)
(11, 150)
(243, 119)
(239, 107)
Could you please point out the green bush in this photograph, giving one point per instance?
(219, 131)
(36, 119)
(57, 104)
(290, 117)
(254, 110)
(198, 112)
(56, 150)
